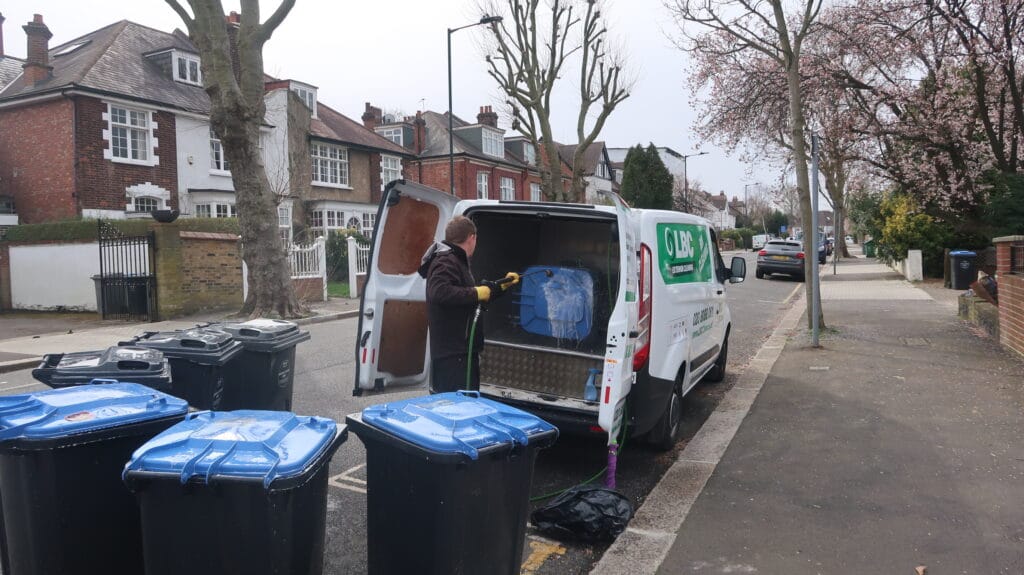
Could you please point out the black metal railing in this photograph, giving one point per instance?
(1017, 258)
(126, 286)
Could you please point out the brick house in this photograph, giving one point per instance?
(598, 170)
(488, 165)
(115, 124)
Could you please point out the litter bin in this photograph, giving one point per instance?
(135, 364)
(455, 470)
(869, 249)
(965, 270)
(200, 360)
(264, 376)
(235, 492)
(64, 507)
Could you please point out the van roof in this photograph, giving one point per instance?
(465, 205)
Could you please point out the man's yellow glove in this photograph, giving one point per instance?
(515, 279)
(483, 293)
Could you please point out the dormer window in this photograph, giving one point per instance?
(493, 143)
(393, 134)
(307, 94)
(529, 153)
(186, 68)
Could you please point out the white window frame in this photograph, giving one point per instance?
(492, 142)
(307, 94)
(369, 220)
(147, 131)
(482, 179)
(214, 210)
(529, 153)
(189, 60)
(535, 192)
(218, 167)
(508, 188)
(353, 223)
(156, 202)
(284, 223)
(396, 135)
(390, 169)
(321, 159)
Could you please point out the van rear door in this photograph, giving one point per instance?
(617, 376)
(392, 349)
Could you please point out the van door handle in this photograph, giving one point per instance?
(720, 291)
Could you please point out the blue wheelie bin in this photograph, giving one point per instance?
(448, 476)
(64, 508)
(235, 492)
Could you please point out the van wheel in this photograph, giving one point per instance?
(717, 372)
(666, 432)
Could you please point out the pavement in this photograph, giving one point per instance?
(37, 334)
(893, 448)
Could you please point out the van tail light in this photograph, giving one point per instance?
(643, 341)
(762, 253)
(800, 256)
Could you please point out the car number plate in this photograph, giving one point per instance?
(783, 258)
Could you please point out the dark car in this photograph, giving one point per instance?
(781, 257)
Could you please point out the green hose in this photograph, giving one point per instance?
(469, 350)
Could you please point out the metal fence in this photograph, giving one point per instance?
(1017, 258)
(126, 284)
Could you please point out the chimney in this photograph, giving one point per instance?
(487, 117)
(1, 35)
(419, 130)
(234, 18)
(372, 117)
(37, 62)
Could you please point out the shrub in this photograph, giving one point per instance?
(905, 227)
(76, 230)
(337, 253)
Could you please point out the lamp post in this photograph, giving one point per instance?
(686, 181)
(451, 136)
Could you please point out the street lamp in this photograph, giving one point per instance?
(451, 138)
(686, 181)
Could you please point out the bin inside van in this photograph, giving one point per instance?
(547, 333)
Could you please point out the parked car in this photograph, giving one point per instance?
(849, 240)
(780, 257)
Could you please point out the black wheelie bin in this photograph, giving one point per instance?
(264, 376)
(235, 492)
(135, 364)
(200, 358)
(63, 506)
(448, 482)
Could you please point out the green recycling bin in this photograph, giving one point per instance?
(869, 248)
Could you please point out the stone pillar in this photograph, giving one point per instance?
(167, 262)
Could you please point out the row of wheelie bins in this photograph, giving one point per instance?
(224, 366)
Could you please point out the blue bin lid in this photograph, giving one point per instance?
(458, 422)
(266, 445)
(73, 411)
(963, 253)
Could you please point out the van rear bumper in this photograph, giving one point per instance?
(567, 420)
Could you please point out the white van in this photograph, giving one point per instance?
(759, 240)
(641, 310)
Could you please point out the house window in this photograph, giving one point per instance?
(225, 210)
(368, 222)
(529, 153)
(187, 69)
(330, 165)
(481, 185)
(218, 162)
(493, 143)
(332, 219)
(203, 211)
(390, 169)
(353, 223)
(284, 224)
(508, 189)
(215, 210)
(602, 170)
(316, 219)
(393, 134)
(131, 136)
(534, 192)
(7, 205)
(146, 204)
(308, 96)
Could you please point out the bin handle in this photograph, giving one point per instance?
(192, 343)
(128, 364)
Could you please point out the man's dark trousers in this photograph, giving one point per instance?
(449, 374)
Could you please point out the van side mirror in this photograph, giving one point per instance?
(737, 270)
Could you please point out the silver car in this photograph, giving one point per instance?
(781, 257)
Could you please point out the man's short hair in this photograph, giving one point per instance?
(459, 229)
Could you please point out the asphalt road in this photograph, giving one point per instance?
(323, 386)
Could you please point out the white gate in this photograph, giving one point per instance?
(358, 262)
(306, 262)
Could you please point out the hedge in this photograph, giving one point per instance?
(74, 230)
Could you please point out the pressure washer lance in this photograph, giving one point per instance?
(476, 316)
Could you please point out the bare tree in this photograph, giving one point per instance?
(528, 60)
(728, 27)
(237, 110)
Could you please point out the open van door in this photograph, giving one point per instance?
(617, 376)
(391, 349)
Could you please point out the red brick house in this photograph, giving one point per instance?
(488, 165)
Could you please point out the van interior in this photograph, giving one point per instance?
(547, 334)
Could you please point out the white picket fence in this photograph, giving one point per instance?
(358, 262)
(306, 262)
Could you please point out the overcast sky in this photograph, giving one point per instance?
(392, 53)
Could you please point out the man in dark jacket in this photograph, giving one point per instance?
(452, 301)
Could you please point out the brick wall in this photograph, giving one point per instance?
(1011, 295)
(211, 271)
(308, 289)
(102, 182)
(37, 160)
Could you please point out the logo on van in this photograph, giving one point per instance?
(683, 253)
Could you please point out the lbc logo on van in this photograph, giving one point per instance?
(679, 244)
(683, 253)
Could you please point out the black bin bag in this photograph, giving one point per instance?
(584, 514)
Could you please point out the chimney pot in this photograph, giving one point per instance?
(37, 61)
(234, 18)
(372, 117)
(2, 35)
(487, 117)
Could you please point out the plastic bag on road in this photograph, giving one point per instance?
(584, 514)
